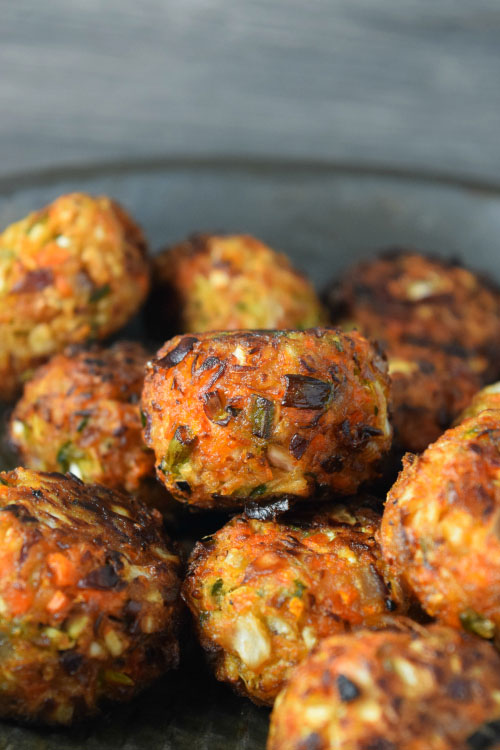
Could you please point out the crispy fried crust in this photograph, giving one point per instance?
(440, 327)
(81, 413)
(440, 529)
(262, 414)
(416, 689)
(88, 597)
(223, 283)
(263, 593)
(76, 269)
(487, 398)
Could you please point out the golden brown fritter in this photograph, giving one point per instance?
(487, 398)
(225, 283)
(263, 593)
(440, 327)
(413, 689)
(404, 296)
(88, 597)
(75, 270)
(440, 530)
(262, 414)
(81, 413)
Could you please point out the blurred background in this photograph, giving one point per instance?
(411, 84)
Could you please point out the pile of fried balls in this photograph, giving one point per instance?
(352, 442)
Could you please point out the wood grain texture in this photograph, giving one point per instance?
(411, 83)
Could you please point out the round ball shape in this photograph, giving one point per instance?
(88, 596)
(74, 270)
(263, 593)
(413, 688)
(224, 283)
(81, 413)
(258, 415)
(440, 529)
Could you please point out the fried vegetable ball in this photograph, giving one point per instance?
(81, 413)
(88, 597)
(425, 689)
(223, 283)
(405, 296)
(262, 414)
(441, 526)
(440, 327)
(487, 398)
(77, 269)
(263, 593)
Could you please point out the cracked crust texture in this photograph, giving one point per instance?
(416, 689)
(439, 324)
(440, 529)
(263, 593)
(262, 414)
(223, 283)
(89, 601)
(74, 270)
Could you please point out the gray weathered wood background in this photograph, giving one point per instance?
(409, 83)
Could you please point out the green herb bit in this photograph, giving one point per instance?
(143, 419)
(64, 456)
(338, 343)
(118, 677)
(83, 424)
(299, 588)
(259, 490)
(99, 293)
(178, 451)
(261, 417)
(477, 624)
(216, 589)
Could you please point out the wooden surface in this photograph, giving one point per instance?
(412, 83)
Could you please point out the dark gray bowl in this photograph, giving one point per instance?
(324, 216)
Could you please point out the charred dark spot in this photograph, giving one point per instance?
(103, 578)
(37, 493)
(298, 445)
(34, 281)
(184, 435)
(114, 558)
(304, 392)
(426, 367)
(390, 605)
(379, 743)
(310, 369)
(175, 356)
(70, 661)
(459, 689)
(486, 737)
(20, 512)
(267, 512)
(313, 741)
(348, 691)
(183, 487)
(214, 409)
(332, 464)
(207, 364)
